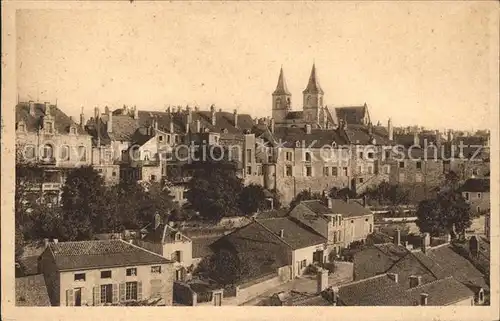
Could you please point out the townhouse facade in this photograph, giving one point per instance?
(111, 272)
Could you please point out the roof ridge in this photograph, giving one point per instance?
(146, 250)
(432, 282)
(363, 280)
(267, 229)
(425, 265)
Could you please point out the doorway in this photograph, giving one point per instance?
(78, 297)
(217, 299)
(318, 256)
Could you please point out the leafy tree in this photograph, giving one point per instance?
(341, 193)
(252, 199)
(86, 204)
(388, 194)
(214, 191)
(305, 195)
(448, 213)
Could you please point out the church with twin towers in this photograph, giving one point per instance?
(314, 111)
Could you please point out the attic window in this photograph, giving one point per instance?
(178, 236)
(297, 144)
(334, 144)
(21, 127)
(72, 130)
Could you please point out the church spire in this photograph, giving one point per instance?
(313, 86)
(281, 88)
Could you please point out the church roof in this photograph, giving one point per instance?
(313, 86)
(281, 88)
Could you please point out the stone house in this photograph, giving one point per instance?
(476, 192)
(110, 272)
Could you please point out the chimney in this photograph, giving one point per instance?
(97, 114)
(322, 279)
(136, 113)
(365, 202)
(31, 104)
(82, 119)
(415, 280)
(425, 242)
(393, 276)
(272, 125)
(397, 237)
(157, 220)
(171, 125)
(235, 114)
(282, 233)
(308, 128)
(423, 298)
(47, 108)
(212, 114)
(416, 140)
(330, 202)
(390, 130)
(109, 124)
(438, 138)
(198, 126)
(45, 242)
(189, 118)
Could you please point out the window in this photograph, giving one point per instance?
(156, 269)
(361, 180)
(107, 293)
(345, 171)
(361, 155)
(288, 156)
(82, 151)
(340, 236)
(146, 155)
(131, 291)
(131, 271)
(20, 127)
(387, 154)
(160, 138)
(73, 130)
(478, 209)
(259, 170)
(249, 170)
(79, 276)
(401, 164)
(178, 236)
(326, 171)
(30, 152)
(303, 264)
(335, 171)
(475, 172)
(177, 256)
(48, 127)
(113, 174)
(153, 178)
(105, 274)
(47, 151)
(371, 228)
(466, 195)
(249, 155)
(308, 157)
(370, 170)
(100, 170)
(478, 195)
(334, 237)
(288, 170)
(360, 169)
(401, 177)
(168, 139)
(419, 165)
(387, 169)
(418, 177)
(176, 138)
(370, 155)
(308, 171)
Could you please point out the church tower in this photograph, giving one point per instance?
(282, 99)
(313, 99)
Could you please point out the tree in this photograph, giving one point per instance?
(341, 193)
(252, 199)
(388, 194)
(86, 204)
(214, 191)
(305, 195)
(448, 213)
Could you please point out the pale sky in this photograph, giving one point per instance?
(425, 63)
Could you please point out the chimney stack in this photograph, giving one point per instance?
(423, 298)
(330, 202)
(235, 114)
(45, 242)
(212, 114)
(31, 104)
(282, 233)
(109, 124)
(198, 126)
(308, 129)
(189, 118)
(365, 202)
(136, 112)
(171, 125)
(415, 280)
(97, 114)
(416, 140)
(425, 242)
(272, 125)
(393, 276)
(390, 129)
(397, 237)
(82, 119)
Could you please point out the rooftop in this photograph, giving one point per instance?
(479, 185)
(84, 255)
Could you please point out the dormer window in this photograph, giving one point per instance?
(72, 130)
(178, 236)
(49, 127)
(21, 126)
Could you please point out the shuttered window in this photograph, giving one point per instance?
(70, 298)
(97, 295)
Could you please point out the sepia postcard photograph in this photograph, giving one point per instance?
(204, 160)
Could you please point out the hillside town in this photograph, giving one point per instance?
(314, 205)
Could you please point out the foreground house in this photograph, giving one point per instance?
(476, 192)
(111, 272)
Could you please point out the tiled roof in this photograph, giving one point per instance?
(378, 290)
(352, 114)
(440, 292)
(99, 254)
(297, 236)
(62, 121)
(349, 209)
(318, 138)
(317, 207)
(453, 264)
(32, 291)
(476, 185)
(272, 214)
(360, 135)
(201, 246)
(376, 259)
